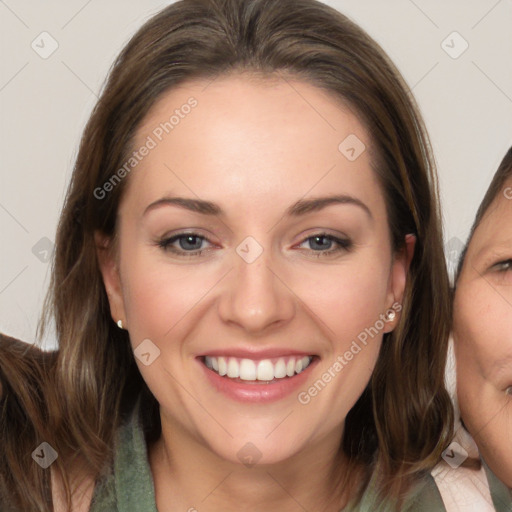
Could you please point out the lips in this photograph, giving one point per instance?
(248, 369)
(260, 375)
(257, 391)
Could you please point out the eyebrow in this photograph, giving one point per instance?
(301, 207)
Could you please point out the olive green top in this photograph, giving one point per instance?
(501, 495)
(129, 487)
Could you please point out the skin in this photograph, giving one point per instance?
(483, 338)
(254, 147)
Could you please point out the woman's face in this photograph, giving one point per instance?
(483, 337)
(278, 252)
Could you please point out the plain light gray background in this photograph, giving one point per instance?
(466, 101)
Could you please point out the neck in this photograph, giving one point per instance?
(189, 476)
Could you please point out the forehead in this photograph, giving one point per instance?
(495, 229)
(254, 134)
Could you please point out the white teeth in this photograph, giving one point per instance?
(302, 364)
(233, 368)
(222, 364)
(290, 368)
(280, 369)
(250, 370)
(265, 370)
(247, 370)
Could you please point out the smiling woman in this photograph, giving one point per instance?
(284, 237)
(482, 329)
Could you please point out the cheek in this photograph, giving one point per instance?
(158, 297)
(345, 296)
(349, 303)
(482, 326)
(177, 308)
(347, 299)
(493, 439)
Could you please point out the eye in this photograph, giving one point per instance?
(322, 244)
(508, 391)
(189, 244)
(503, 266)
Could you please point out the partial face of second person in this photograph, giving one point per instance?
(307, 282)
(483, 337)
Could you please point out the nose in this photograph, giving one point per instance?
(255, 297)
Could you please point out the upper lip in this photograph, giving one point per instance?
(256, 354)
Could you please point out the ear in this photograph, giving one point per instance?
(398, 278)
(109, 269)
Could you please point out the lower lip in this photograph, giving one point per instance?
(257, 391)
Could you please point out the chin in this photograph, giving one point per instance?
(250, 451)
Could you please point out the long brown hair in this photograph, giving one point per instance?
(27, 413)
(403, 420)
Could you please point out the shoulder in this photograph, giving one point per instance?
(461, 478)
(26, 386)
(424, 496)
(129, 486)
(19, 359)
(501, 495)
(18, 348)
(421, 495)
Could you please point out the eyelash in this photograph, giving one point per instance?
(505, 263)
(165, 244)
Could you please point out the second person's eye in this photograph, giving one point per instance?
(503, 266)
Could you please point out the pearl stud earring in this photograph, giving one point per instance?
(390, 316)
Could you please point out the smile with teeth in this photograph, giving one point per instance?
(265, 369)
